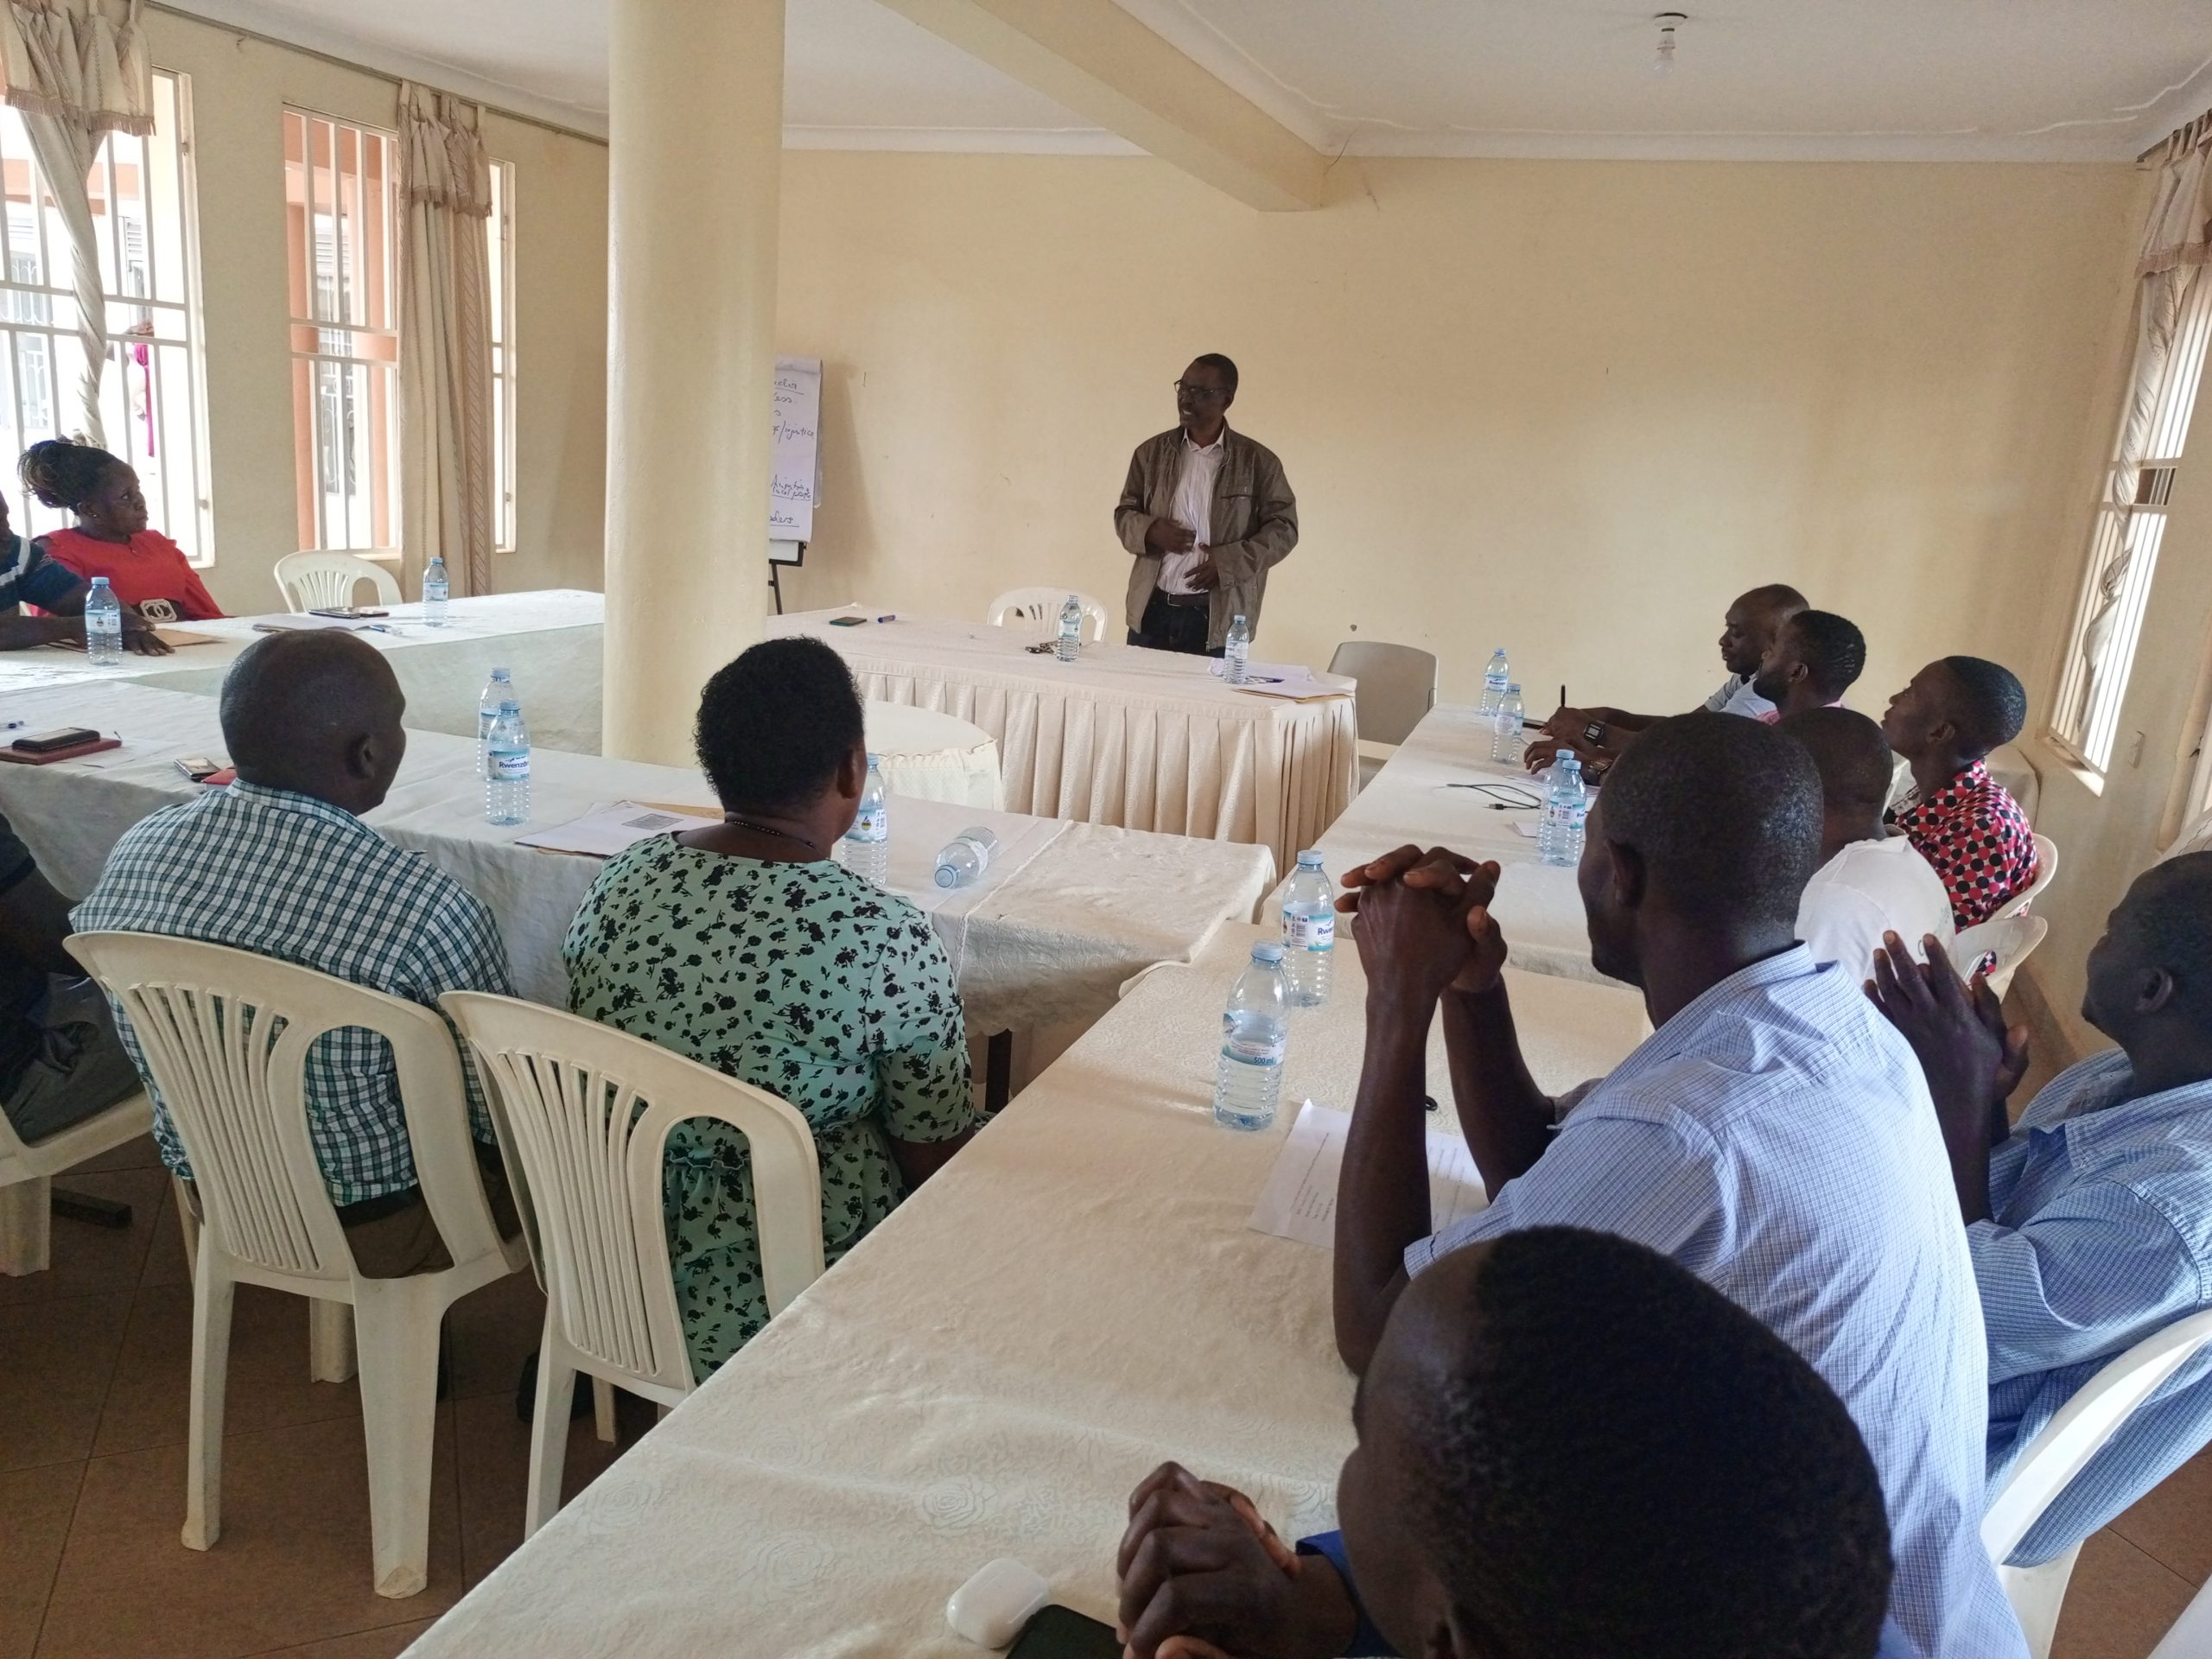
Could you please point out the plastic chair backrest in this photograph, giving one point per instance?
(2081, 1428)
(2195, 837)
(2013, 938)
(1397, 686)
(2046, 868)
(1042, 607)
(225, 1034)
(583, 1113)
(312, 581)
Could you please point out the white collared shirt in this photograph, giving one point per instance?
(1193, 507)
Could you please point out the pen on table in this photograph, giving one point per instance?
(894, 617)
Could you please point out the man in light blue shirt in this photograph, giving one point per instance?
(1773, 1134)
(2090, 1225)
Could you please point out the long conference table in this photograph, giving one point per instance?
(1148, 740)
(1045, 937)
(1075, 1298)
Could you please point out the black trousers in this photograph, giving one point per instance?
(1173, 627)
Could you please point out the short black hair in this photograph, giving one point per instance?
(289, 696)
(1989, 706)
(774, 724)
(1832, 649)
(1626, 1462)
(1220, 364)
(1849, 752)
(2174, 913)
(64, 474)
(1725, 812)
(1777, 596)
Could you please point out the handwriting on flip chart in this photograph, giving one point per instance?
(795, 471)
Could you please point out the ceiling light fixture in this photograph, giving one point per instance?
(1668, 22)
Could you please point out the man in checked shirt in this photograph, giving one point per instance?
(280, 863)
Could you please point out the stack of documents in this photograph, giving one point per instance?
(1300, 1200)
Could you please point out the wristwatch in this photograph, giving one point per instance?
(1594, 734)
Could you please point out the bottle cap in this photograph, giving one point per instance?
(1270, 954)
(1309, 860)
(1513, 689)
(509, 706)
(500, 674)
(99, 581)
(873, 758)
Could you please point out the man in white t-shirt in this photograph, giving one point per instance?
(1870, 881)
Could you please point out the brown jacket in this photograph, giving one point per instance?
(1254, 523)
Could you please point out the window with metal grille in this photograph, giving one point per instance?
(2124, 551)
(152, 408)
(341, 210)
(500, 238)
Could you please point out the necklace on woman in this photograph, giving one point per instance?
(770, 831)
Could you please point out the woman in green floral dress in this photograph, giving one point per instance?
(744, 946)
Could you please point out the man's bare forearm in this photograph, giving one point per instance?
(25, 633)
(1505, 1118)
(1383, 1189)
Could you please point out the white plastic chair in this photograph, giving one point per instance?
(2191, 1634)
(2046, 868)
(2077, 1433)
(1042, 607)
(583, 1113)
(311, 581)
(2013, 938)
(1397, 686)
(225, 1034)
(27, 1168)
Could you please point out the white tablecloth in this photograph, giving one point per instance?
(1046, 941)
(1147, 739)
(927, 756)
(1074, 1298)
(1414, 798)
(551, 640)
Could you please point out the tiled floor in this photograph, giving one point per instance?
(92, 1393)
(93, 1390)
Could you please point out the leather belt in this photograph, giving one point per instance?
(1187, 602)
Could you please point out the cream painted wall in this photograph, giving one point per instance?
(1571, 407)
(239, 85)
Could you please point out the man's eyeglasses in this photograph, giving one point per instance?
(1198, 390)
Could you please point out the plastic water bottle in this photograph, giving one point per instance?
(103, 624)
(1255, 1033)
(500, 688)
(1505, 727)
(1236, 654)
(434, 590)
(507, 767)
(1309, 932)
(966, 857)
(1559, 836)
(867, 843)
(1069, 645)
(1496, 678)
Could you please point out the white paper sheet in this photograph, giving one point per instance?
(607, 830)
(1300, 1200)
(1269, 673)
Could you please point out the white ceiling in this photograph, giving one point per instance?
(2029, 80)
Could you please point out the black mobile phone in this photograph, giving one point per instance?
(1056, 1633)
(346, 612)
(64, 737)
(847, 621)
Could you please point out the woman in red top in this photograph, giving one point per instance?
(144, 567)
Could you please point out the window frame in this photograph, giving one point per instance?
(501, 237)
(344, 357)
(184, 507)
(2085, 718)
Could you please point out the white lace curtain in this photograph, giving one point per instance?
(77, 71)
(2174, 249)
(445, 362)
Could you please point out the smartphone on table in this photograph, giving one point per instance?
(1056, 1633)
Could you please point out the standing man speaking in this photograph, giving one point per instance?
(1206, 512)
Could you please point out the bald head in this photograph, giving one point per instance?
(316, 713)
(1853, 760)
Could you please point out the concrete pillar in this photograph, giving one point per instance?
(695, 103)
